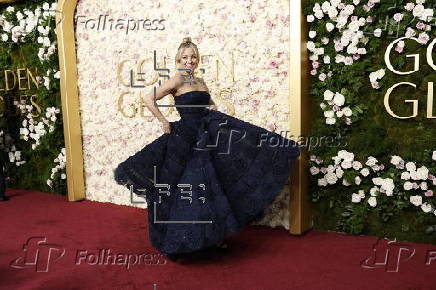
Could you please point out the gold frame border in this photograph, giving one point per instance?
(300, 218)
(70, 99)
(300, 207)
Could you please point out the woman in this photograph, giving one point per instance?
(209, 174)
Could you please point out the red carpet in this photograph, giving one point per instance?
(258, 258)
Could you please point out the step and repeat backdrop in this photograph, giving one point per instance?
(122, 47)
(372, 69)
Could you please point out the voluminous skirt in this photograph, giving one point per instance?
(207, 179)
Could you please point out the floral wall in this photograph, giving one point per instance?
(31, 131)
(245, 57)
(372, 81)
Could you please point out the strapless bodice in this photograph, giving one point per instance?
(191, 104)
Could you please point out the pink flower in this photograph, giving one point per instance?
(369, 19)
(322, 77)
(398, 17)
(336, 108)
(431, 177)
(356, 56)
(348, 121)
(272, 127)
(423, 38)
(399, 48)
(313, 72)
(269, 24)
(273, 64)
(415, 185)
(339, 47)
(420, 26)
(315, 64)
(428, 193)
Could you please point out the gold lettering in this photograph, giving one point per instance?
(20, 77)
(430, 101)
(388, 108)
(6, 72)
(120, 106)
(388, 61)
(31, 77)
(38, 108)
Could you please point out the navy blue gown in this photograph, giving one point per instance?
(208, 178)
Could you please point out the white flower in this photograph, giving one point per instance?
(329, 114)
(357, 180)
(310, 46)
(371, 161)
(328, 95)
(314, 170)
(347, 111)
(310, 18)
(63, 176)
(344, 154)
(322, 182)
(346, 164)
(396, 160)
(434, 155)
(339, 172)
(312, 34)
(423, 185)
(416, 200)
(329, 26)
(355, 198)
(331, 178)
(5, 37)
(409, 6)
(410, 166)
(377, 32)
(422, 173)
(408, 185)
(339, 99)
(372, 201)
(426, 207)
(357, 165)
(405, 175)
(418, 11)
(388, 186)
(398, 17)
(364, 171)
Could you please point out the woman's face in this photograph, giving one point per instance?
(189, 59)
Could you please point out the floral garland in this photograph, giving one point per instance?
(20, 26)
(343, 35)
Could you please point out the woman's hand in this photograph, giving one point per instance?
(212, 107)
(166, 126)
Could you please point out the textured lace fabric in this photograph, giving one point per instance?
(214, 174)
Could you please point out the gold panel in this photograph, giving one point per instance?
(299, 119)
(70, 99)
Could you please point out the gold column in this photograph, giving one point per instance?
(70, 98)
(299, 119)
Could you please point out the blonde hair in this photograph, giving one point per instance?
(186, 43)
